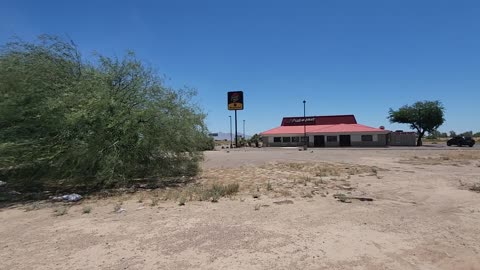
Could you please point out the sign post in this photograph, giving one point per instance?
(235, 103)
(305, 143)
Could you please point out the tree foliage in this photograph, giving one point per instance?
(467, 134)
(423, 116)
(255, 139)
(66, 121)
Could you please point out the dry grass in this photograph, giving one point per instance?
(33, 206)
(195, 192)
(469, 185)
(475, 187)
(462, 155)
(117, 207)
(87, 209)
(287, 180)
(453, 158)
(302, 179)
(60, 211)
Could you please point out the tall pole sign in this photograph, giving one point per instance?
(235, 103)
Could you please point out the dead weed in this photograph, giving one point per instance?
(292, 179)
(452, 158)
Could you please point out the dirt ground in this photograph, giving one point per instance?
(285, 216)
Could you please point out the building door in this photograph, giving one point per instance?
(319, 141)
(345, 140)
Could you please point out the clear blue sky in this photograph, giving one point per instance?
(343, 57)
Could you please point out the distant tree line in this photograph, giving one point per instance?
(68, 122)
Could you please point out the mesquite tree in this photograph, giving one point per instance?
(423, 116)
(65, 121)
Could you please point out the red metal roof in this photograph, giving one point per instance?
(340, 128)
(319, 120)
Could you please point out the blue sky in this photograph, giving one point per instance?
(343, 57)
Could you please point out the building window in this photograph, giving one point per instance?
(286, 139)
(303, 139)
(295, 139)
(331, 138)
(367, 138)
(277, 139)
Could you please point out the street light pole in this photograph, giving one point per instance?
(231, 138)
(244, 136)
(305, 143)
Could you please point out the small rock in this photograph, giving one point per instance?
(121, 210)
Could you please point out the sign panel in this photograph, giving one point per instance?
(235, 100)
(298, 121)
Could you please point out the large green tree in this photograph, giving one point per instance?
(423, 116)
(65, 121)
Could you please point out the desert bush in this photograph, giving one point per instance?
(182, 200)
(87, 209)
(60, 211)
(141, 197)
(209, 193)
(117, 207)
(217, 191)
(269, 186)
(32, 207)
(65, 122)
(475, 187)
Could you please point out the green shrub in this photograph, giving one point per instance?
(73, 124)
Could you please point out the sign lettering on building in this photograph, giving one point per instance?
(302, 120)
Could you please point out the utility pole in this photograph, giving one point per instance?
(231, 135)
(305, 143)
(244, 136)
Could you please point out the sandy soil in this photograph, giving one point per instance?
(423, 217)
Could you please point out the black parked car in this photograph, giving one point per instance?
(461, 141)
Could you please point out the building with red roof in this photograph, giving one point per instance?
(321, 131)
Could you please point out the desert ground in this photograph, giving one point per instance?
(372, 208)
